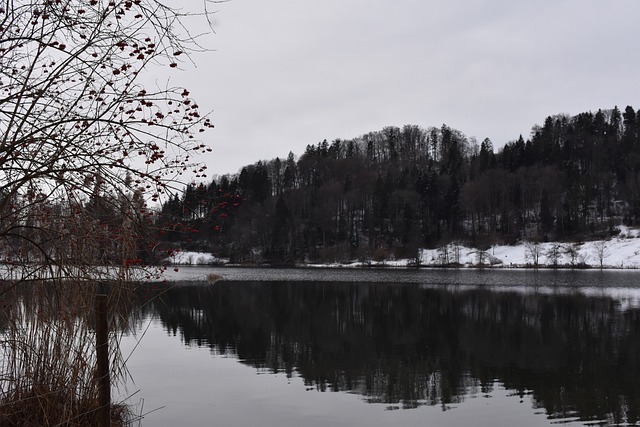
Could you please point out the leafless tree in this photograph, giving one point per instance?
(533, 252)
(456, 246)
(600, 251)
(553, 254)
(443, 255)
(76, 121)
(573, 250)
(84, 144)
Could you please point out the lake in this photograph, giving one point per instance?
(351, 347)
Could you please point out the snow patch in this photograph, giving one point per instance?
(194, 258)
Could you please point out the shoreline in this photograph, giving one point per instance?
(406, 267)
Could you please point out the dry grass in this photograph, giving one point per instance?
(47, 354)
(47, 408)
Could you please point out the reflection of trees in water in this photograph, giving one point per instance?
(407, 345)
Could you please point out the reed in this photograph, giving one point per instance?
(48, 355)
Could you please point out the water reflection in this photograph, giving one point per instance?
(404, 345)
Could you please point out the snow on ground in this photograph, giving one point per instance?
(616, 253)
(194, 258)
(622, 251)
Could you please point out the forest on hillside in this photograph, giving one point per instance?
(388, 193)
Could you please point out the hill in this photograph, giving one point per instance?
(389, 194)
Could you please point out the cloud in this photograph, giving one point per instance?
(289, 73)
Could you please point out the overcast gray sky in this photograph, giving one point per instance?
(287, 73)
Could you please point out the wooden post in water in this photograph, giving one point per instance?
(102, 355)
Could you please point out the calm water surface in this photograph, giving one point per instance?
(381, 347)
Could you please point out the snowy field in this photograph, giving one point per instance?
(621, 252)
(616, 253)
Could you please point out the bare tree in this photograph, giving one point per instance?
(600, 251)
(533, 252)
(76, 121)
(456, 247)
(553, 254)
(443, 255)
(573, 250)
(84, 143)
